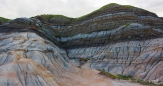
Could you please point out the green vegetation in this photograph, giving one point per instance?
(46, 16)
(124, 77)
(108, 74)
(102, 8)
(51, 17)
(129, 6)
(129, 78)
(59, 16)
(4, 20)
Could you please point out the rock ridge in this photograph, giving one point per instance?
(119, 39)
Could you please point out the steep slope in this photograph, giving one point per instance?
(120, 39)
(115, 23)
(26, 59)
(110, 17)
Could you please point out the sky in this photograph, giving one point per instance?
(72, 8)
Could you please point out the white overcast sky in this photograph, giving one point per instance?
(71, 8)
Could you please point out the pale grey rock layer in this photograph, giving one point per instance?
(105, 33)
(27, 59)
(141, 59)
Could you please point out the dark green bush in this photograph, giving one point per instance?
(124, 77)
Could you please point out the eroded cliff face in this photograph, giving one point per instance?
(120, 39)
(27, 59)
(141, 59)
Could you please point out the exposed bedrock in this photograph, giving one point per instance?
(117, 38)
(27, 59)
(141, 59)
(109, 19)
(133, 31)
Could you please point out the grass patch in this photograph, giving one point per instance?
(130, 78)
(50, 17)
(4, 20)
(129, 6)
(59, 16)
(102, 8)
(124, 77)
(102, 72)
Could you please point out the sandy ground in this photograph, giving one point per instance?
(90, 77)
(85, 77)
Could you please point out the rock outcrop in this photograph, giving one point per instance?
(27, 59)
(120, 39)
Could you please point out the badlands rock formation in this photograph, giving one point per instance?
(27, 59)
(120, 39)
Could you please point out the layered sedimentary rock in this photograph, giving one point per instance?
(120, 39)
(27, 59)
(142, 59)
